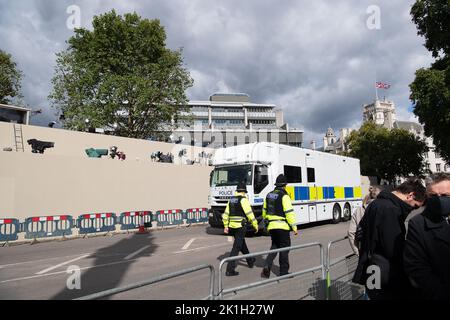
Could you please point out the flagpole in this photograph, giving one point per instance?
(376, 91)
(376, 87)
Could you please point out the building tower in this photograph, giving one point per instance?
(329, 138)
(380, 112)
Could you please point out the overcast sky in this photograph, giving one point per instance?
(317, 60)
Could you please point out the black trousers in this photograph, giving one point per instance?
(280, 239)
(239, 245)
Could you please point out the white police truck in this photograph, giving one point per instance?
(322, 186)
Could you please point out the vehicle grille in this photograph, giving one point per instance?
(221, 200)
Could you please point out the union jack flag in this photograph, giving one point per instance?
(381, 85)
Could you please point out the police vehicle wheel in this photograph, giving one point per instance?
(347, 212)
(336, 213)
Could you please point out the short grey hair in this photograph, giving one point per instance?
(436, 178)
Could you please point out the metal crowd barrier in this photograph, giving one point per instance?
(9, 229)
(132, 220)
(340, 273)
(166, 218)
(111, 292)
(334, 281)
(320, 267)
(96, 222)
(48, 226)
(196, 215)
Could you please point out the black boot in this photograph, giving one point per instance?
(265, 273)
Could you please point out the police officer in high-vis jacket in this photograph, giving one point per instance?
(237, 212)
(280, 218)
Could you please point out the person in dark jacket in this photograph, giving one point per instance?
(427, 246)
(382, 238)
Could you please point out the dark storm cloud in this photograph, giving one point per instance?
(317, 60)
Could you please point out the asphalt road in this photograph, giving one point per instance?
(40, 271)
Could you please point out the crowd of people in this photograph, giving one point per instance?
(401, 237)
(411, 256)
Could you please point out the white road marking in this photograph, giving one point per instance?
(230, 239)
(61, 264)
(128, 257)
(72, 255)
(65, 272)
(196, 249)
(188, 244)
(76, 255)
(33, 261)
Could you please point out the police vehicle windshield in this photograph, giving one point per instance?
(231, 176)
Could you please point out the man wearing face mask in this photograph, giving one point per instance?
(427, 247)
(382, 241)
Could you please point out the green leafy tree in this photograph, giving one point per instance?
(387, 154)
(432, 18)
(430, 91)
(121, 76)
(10, 78)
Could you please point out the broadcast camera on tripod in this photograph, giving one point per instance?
(38, 146)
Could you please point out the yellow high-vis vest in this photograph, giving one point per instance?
(238, 210)
(278, 211)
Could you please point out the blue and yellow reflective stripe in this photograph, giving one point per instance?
(357, 192)
(339, 192)
(301, 193)
(328, 193)
(319, 193)
(313, 193)
(290, 192)
(348, 192)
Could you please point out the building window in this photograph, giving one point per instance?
(438, 167)
(14, 116)
(446, 167)
(311, 174)
(293, 174)
(427, 166)
(425, 155)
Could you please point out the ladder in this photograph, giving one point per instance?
(18, 137)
